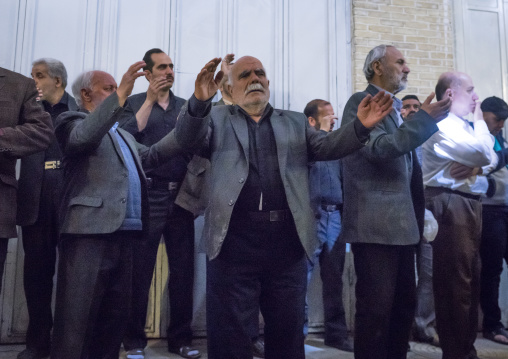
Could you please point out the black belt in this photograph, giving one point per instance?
(52, 165)
(439, 190)
(270, 216)
(162, 184)
(331, 207)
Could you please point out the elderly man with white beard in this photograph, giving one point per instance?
(384, 210)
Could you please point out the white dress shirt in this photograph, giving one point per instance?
(457, 141)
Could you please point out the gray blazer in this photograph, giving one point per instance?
(223, 137)
(96, 176)
(24, 129)
(383, 187)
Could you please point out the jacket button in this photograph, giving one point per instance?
(123, 200)
(241, 180)
(231, 202)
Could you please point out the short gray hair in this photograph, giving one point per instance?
(376, 54)
(55, 69)
(83, 81)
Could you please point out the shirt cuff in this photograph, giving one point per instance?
(362, 132)
(198, 108)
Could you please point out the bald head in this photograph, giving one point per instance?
(91, 88)
(248, 85)
(459, 87)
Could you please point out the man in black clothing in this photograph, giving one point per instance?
(38, 199)
(149, 116)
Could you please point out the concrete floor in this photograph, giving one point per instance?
(314, 348)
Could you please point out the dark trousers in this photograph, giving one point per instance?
(493, 249)
(331, 254)
(3, 255)
(93, 295)
(263, 265)
(177, 226)
(385, 300)
(456, 272)
(39, 243)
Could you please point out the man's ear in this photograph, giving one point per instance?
(148, 75)
(312, 121)
(58, 82)
(449, 93)
(377, 68)
(85, 95)
(229, 88)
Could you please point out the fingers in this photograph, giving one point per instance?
(135, 67)
(429, 99)
(460, 171)
(219, 77)
(211, 66)
(365, 102)
(228, 59)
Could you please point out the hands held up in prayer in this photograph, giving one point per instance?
(438, 110)
(373, 110)
(127, 84)
(207, 83)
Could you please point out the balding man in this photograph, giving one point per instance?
(259, 226)
(384, 210)
(103, 215)
(454, 159)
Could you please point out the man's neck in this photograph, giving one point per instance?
(378, 83)
(255, 111)
(163, 97)
(55, 98)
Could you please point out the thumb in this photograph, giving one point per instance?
(429, 99)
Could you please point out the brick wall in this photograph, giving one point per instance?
(420, 29)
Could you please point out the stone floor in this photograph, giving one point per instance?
(314, 348)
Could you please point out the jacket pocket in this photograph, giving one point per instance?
(86, 201)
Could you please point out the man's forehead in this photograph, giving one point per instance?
(161, 58)
(40, 68)
(103, 78)
(411, 101)
(247, 63)
(394, 54)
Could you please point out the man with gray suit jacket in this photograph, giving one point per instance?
(259, 226)
(24, 129)
(103, 213)
(384, 210)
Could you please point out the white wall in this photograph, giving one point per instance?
(303, 44)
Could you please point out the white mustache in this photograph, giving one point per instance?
(254, 87)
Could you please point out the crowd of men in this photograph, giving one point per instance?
(105, 174)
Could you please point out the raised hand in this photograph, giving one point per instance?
(438, 110)
(227, 62)
(40, 95)
(373, 110)
(478, 113)
(206, 84)
(155, 86)
(128, 79)
(327, 122)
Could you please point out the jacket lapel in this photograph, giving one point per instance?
(242, 132)
(116, 145)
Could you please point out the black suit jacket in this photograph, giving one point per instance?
(24, 129)
(30, 181)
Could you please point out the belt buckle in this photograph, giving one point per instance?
(276, 216)
(51, 165)
(172, 186)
